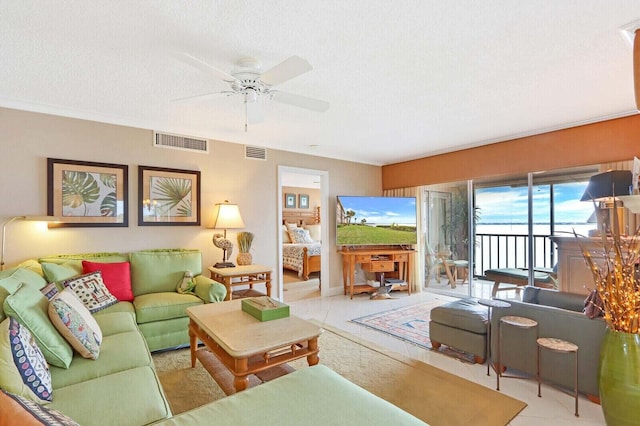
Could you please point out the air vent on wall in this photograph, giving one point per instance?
(187, 143)
(255, 152)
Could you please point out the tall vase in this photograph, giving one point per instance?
(620, 378)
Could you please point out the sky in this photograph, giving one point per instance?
(381, 210)
(509, 205)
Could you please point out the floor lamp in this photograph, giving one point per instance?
(29, 218)
(606, 188)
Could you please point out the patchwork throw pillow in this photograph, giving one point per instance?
(91, 291)
(30, 307)
(21, 411)
(49, 290)
(76, 324)
(116, 276)
(23, 369)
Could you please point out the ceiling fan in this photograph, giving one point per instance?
(248, 80)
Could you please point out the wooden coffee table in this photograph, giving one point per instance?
(245, 345)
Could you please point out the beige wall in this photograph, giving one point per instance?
(28, 139)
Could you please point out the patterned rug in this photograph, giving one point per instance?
(411, 324)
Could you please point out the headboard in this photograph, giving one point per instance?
(301, 217)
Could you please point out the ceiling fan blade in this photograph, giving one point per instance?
(285, 70)
(202, 96)
(636, 67)
(203, 66)
(300, 101)
(254, 112)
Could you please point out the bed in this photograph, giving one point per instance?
(302, 256)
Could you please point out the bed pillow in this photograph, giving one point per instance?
(314, 231)
(91, 291)
(300, 236)
(285, 235)
(23, 368)
(29, 307)
(21, 411)
(76, 324)
(116, 276)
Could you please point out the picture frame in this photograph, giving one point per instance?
(289, 201)
(87, 194)
(303, 201)
(168, 197)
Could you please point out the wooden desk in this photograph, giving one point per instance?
(242, 275)
(377, 260)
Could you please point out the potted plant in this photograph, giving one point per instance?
(245, 239)
(614, 268)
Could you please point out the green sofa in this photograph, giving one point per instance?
(121, 386)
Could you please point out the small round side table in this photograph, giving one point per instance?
(513, 321)
(561, 346)
(491, 303)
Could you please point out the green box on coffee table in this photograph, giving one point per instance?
(265, 308)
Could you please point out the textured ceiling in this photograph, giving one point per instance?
(405, 79)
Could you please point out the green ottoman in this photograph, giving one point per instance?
(461, 324)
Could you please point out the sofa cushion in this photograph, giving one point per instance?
(119, 352)
(116, 276)
(17, 410)
(130, 397)
(156, 271)
(11, 279)
(74, 321)
(118, 307)
(30, 307)
(91, 290)
(116, 322)
(554, 298)
(162, 306)
(23, 369)
(56, 273)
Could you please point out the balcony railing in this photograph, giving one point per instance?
(511, 251)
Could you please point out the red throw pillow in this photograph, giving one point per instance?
(116, 276)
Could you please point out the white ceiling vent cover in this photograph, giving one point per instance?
(186, 143)
(255, 152)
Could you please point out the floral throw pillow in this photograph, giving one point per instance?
(91, 291)
(23, 368)
(76, 324)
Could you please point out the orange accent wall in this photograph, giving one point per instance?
(605, 141)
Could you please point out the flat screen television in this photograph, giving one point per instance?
(363, 220)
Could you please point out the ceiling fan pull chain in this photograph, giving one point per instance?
(246, 114)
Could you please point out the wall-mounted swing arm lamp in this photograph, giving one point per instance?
(29, 218)
(226, 216)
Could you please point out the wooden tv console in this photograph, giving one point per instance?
(375, 260)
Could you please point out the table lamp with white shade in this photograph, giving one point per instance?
(226, 216)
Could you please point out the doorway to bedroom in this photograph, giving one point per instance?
(302, 201)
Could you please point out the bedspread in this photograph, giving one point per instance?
(292, 255)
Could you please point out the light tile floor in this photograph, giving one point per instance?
(554, 408)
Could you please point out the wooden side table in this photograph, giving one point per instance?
(242, 275)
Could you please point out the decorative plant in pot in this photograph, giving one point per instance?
(245, 239)
(614, 268)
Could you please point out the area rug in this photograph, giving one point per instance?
(411, 324)
(431, 394)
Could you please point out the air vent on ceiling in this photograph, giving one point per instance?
(187, 143)
(255, 152)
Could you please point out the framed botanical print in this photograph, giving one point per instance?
(303, 201)
(289, 201)
(168, 196)
(87, 194)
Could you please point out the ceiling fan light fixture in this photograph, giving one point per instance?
(250, 95)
